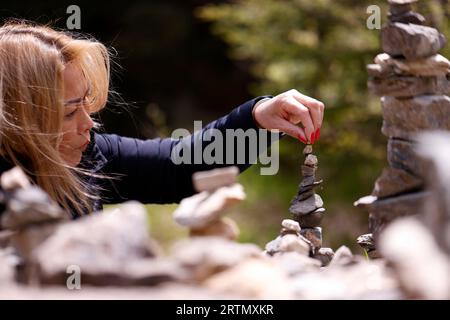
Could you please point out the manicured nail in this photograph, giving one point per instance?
(302, 139)
(312, 138)
(317, 134)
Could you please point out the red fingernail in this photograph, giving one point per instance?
(312, 138)
(302, 139)
(318, 134)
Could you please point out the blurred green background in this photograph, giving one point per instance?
(180, 61)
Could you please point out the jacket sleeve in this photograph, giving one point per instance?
(145, 168)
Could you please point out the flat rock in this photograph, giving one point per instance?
(214, 179)
(201, 209)
(224, 227)
(405, 16)
(294, 263)
(406, 245)
(308, 171)
(291, 225)
(307, 206)
(405, 118)
(395, 181)
(288, 243)
(436, 65)
(101, 245)
(14, 179)
(305, 195)
(324, 255)
(411, 41)
(402, 155)
(29, 206)
(389, 209)
(343, 256)
(366, 241)
(245, 278)
(401, 2)
(409, 86)
(311, 160)
(205, 256)
(312, 219)
(308, 149)
(314, 235)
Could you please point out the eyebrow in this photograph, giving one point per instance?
(77, 100)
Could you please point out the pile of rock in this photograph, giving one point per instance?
(203, 212)
(307, 210)
(413, 80)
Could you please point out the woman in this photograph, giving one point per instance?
(52, 83)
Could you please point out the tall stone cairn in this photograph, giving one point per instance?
(413, 81)
(307, 207)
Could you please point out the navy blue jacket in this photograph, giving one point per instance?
(143, 170)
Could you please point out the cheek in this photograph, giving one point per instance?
(69, 133)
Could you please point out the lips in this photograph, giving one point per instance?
(84, 146)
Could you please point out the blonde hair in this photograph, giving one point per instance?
(32, 59)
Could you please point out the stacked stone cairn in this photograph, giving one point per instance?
(203, 212)
(307, 209)
(413, 81)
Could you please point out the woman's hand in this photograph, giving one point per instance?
(285, 111)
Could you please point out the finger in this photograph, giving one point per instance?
(293, 130)
(315, 107)
(298, 110)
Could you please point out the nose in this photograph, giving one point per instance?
(86, 123)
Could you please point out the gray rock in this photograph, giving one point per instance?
(101, 245)
(223, 227)
(402, 155)
(314, 235)
(308, 171)
(307, 206)
(294, 263)
(31, 206)
(291, 225)
(311, 160)
(394, 182)
(285, 231)
(305, 195)
(203, 208)
(421, 267)
(409, 86)
(384, 211)
(411, 41)
(436, 65)
(308, 149)
(343, 256)
(312, 219)
(307, 181)
(324, 255)
(205, 256)
(288, 243)
(407, 17)
(405, 118)
(366, 241)
(214, 179)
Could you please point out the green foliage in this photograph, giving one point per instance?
(320, 48)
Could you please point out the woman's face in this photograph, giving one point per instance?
(77, 122)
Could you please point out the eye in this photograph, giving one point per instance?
(71, 114)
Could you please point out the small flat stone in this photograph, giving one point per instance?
(213, 179)
(402, 155)
(291, 225)
(314, 235)
(224, 227)
(400, 2)
(324, 255)
(436, 65)
(407, 17)
(307, 206)
(312, 219)
(405, 118)
(395, 181)
(311, 160)
(308, 171)
(396, 9)
(308, 149)
(307, 181)
(409, 86)
(285, 231)
(366, 241)
(305, 195)
(288, 243)
(411, 41)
